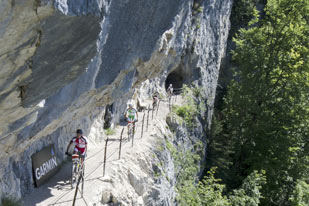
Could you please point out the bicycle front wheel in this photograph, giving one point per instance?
(130, 131)
(74, 175)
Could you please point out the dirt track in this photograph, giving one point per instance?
(57, 191)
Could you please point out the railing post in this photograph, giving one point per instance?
(143, 125)
(76, 190)
(158, 107)
(152, 112)
(105, 157)
(83, 180)
(120, 142)
(148, 118)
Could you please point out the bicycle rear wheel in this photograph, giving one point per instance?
(154, 105)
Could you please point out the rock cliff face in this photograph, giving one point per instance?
(63, 61)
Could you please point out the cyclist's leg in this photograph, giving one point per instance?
(82, 159)
(83, 156)
(75, 151)
(135, 120)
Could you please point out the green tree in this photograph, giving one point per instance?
(300, 196)
(250, 192)
(220, 152)
(267, 105)
(210, 192)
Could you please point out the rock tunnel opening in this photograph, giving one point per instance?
(176, 79)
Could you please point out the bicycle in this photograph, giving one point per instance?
(155, 103)
(169, 95)
(78, 169)
(130, 129)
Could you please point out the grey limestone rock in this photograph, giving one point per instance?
(62, 61)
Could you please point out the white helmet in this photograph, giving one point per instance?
(130, 105)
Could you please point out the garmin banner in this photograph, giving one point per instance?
(44, 165)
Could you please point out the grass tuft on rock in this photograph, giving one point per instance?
(109, 131)
(10, 201)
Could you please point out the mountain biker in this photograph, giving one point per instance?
(131, 114)
(155, 98)
(80, 144)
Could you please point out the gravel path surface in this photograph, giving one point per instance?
(57, 191)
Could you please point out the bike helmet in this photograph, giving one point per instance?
(79, 131)
(130, 105)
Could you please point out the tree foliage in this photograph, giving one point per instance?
(220, 152)
(210, 192)
(267, 105)
(192, 106)
(265, 117)
(300, 195)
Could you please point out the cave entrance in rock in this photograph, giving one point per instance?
(176, 79)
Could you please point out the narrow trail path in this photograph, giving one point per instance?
(57, 191)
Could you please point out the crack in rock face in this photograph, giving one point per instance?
(63, 61)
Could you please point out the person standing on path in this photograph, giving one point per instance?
(169, 95)
(170, 90)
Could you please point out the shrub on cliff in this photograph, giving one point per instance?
(10, 201)
(210, 191)
(190, 109)
(300, 195)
